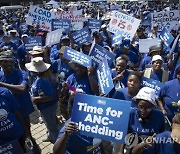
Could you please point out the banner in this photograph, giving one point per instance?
(98, 54)
(63, 24)
(53, 37)
(126, 24)
(30, 42)
(11, 148)
(166, 37)
(156, 85)
(82, 36)
(77, 57)
(166, 19)
(101, 117)
(94, 24)
(117, 39)
(104, 78)
(144, 44)
(40, 16)
(74, 15)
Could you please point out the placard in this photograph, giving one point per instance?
(123, 23)
(166, 37)
(104, 78)
(53, 37)
(63, 24)
(77, 57)
(30, 42)
(101, 117)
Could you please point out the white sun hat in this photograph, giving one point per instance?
(36, 50)
(147, 94)
(37, 65)
(157, 57)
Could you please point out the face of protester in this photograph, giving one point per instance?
(86, 49)
(120, 66)
(125, 50)
(157, 65)
(80, 70)
(7, 66)
(144, 108)
(133, 83)
(65, 42)
(6, 39)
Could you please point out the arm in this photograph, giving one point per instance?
(60, 145)
(17, 89)
(40, 99)
(160, 104)
(121, 149)
(93, 83)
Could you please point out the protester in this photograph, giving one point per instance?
(43, 95)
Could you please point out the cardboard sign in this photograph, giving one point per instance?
(74, 15)
(40, 16)
(77, 57)
(156, 85)
(82, 36)
(98, 54)
(101, 117)
(117, 39)
(94, 24)
(166, 37)
(165, 19)
(123, 23)
(144, 44)
(53, 37)
(104, 78)
(63, 24)
(11, 148)
(30, 42)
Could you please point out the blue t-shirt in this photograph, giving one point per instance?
(166, 145)
(17, 41)
(42, 87)
(21, 53)
(156, 76)
(78, 144)
(10, 128)
(154, 125)
(18, 77)
(82, 83)
(11, 45)
(171, 93)
(122, 94)
(145, 61)
(54, 53)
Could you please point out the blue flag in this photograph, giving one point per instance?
(104, 78)
(156, 85)
(77, 57)
(30, 42)
(82, 36)
(167, 37)
(61, 24)
(11, 148)
(101, 117)
(98, 53)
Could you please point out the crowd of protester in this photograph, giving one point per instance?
(42, 79)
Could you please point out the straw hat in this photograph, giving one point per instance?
(37, 65)
(36, 50)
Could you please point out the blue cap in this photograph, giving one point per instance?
(125, 43)
(6, 35)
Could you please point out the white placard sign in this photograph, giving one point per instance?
(53, 37)
(123, 23)
(144, 44)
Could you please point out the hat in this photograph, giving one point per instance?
(24, 35)
(36, 50)
(37, 65)
(13, 31)
(156, 57)
(6, 55)
(61, 51)
(103, 26)
(126, 43)
(154, 48)
(65, 37)
(147, 94)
